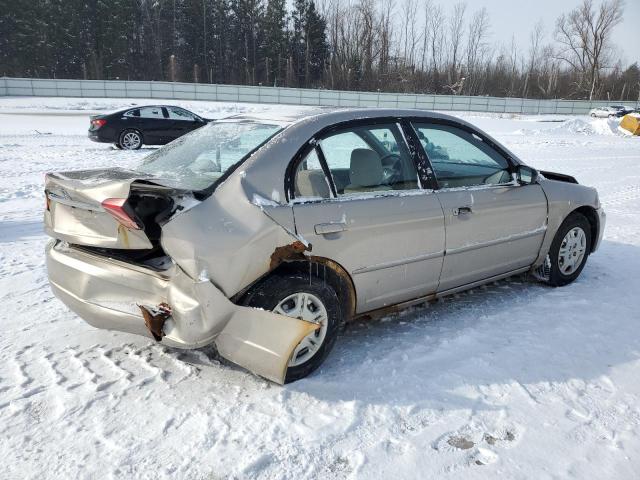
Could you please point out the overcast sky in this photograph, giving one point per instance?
(517, 17)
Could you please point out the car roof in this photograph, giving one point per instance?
(329, 115)
(264, 170)
(135, 107)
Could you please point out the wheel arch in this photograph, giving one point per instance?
(594, 222)
(334, 274)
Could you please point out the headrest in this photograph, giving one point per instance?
(366, 168)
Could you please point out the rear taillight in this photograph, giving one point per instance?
(115, 206)
(96, 124)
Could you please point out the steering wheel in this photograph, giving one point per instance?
(390, 168)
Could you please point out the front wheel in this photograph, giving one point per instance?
(569, 250)
(311, 299)
(130, 140)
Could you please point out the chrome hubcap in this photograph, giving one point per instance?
(305, 306)
(572, 250)
(130, 140)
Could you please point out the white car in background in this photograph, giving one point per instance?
(609, 112)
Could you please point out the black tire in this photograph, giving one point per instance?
(271, 291)
(556, 277)
(126, 144)
(118, 146)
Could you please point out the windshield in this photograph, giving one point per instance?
(197, 160)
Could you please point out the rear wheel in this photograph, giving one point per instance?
(569, 250)
(311, 299)
(130, 140)
(118, 146)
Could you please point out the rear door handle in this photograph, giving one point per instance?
(462, 210)
(334, 227)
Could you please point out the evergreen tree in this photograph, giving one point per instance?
(274, 45)
(246, 17)
(308, 44)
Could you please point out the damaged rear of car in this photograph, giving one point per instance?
(263, 235)
(122, 260)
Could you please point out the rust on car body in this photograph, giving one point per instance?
(154, 319)
(293, 251)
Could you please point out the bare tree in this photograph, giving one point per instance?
(410, 36)
(386, 37)
(535, 45)
(456, 32)
(436, 27)
(584, 35)
(426, 33)
(476, 47)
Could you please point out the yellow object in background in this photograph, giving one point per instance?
(631, 123)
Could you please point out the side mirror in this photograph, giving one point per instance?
(526, 175)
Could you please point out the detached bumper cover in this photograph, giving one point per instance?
(602, 220)
(107, 293)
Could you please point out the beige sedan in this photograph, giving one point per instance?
(263, 234)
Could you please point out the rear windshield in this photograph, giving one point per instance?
(196, 160)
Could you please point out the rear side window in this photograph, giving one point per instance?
(460, 158)
(133, 113)
(176, 113)
(151, 112)
(310, 180)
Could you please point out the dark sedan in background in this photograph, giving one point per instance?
(131, 128)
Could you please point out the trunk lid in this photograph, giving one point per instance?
(78, 214)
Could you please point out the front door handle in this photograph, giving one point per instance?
(462, 210)
(333, 227)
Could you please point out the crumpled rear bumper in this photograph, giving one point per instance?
(107, 294)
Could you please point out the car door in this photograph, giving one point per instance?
(358, 201)
(182, 121)
(154, 125)
(494, 225)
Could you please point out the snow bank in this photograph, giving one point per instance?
(577, 126)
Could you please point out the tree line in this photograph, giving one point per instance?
(416, 46)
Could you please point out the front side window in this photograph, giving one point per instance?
(460, 158)
(176, 113)
(196, 160)
(364, 159)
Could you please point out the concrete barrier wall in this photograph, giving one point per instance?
(37, 87)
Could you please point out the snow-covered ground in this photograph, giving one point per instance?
(513, 380)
